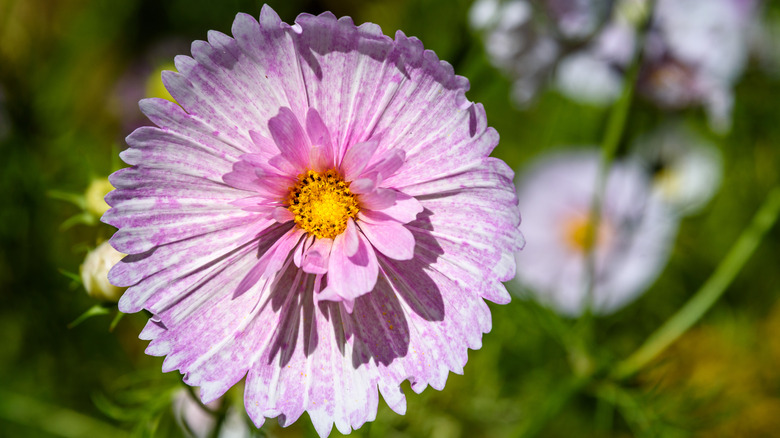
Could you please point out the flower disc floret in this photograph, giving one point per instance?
(322, 203)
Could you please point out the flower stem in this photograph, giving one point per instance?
(552, 405)
(616, 125)
(709, 292)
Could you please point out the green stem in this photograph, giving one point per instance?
(551, 405)
(709, 293)
(616, 125)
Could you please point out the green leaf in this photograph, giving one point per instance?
(75, 199)
(97, 309)
(83, 218)
(75, 277)
(115, 321)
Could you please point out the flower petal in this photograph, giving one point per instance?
(351, 276)
(357, 157)
(322, 155)
(378, 199)
(315, 260)
(290, 138)
(405, 208)
(390, 238)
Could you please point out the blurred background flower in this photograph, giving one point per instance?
(630, 245)
(685, 168)
(587, 45)
(702, 129)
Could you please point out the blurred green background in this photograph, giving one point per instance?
(68, 69)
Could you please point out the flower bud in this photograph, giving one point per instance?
(97, 190)
(94, 273)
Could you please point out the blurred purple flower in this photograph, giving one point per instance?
(632, 242)
(694, 53)
(319, 215)
(526, 39)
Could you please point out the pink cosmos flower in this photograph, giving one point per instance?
(318, 214)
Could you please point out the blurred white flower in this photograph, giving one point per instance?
(686, 168)
(632, 244)
(522, 45)
(94, 273)
(595, 75)
(589, 79)
(196, 420)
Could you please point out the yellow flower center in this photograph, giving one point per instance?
(322, 203)
(578, 233)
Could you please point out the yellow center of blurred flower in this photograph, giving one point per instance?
(669, 183)
(578, 233)
(322, 203)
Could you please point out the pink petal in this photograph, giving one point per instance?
(404, 210)
(362, 186)
(282, 215)
(351, 238)
(357, 157)
(323, 154)
(351, 276)
(389, 163)
(390, 238)
(272, 260)
(315, 260)
(379, 199)
(290, 137)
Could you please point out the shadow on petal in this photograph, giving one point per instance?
(378, 327)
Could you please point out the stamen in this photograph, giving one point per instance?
(576, 232)
(322, 203)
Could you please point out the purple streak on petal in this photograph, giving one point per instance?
(153, 147)
(176, 121)
(341, 65)
(167, 268)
